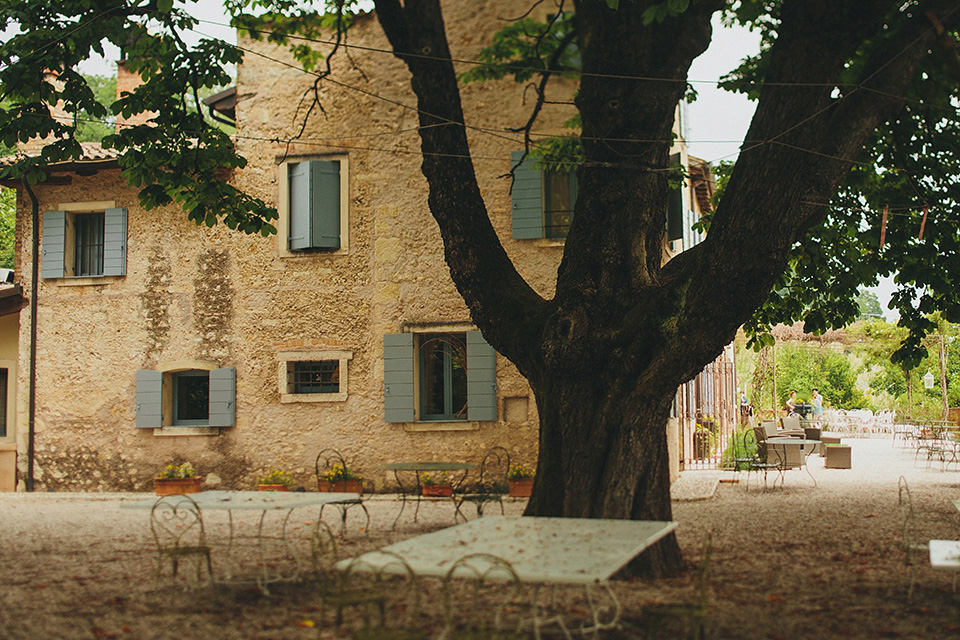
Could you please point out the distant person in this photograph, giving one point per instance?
(817, 401)
(791, 404)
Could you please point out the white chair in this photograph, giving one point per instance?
(911, 548)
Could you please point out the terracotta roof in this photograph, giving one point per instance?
(703, 182)
(92, 152)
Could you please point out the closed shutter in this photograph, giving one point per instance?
(527, 199)
(115, 242)
(325, 190)
(54, 244)
(149, 398)
(398, 400)
(223, 397)
(314, 204)
(675, 207)
(481, 378)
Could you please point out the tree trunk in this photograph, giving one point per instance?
(603, 454)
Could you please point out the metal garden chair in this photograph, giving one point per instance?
(327, 460)
(177, 527)
(491, 484)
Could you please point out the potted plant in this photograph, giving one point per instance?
(435, 486)
(177, 480)
(520, 481)
(275, 480)
(338, 479)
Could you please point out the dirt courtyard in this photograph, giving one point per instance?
(803, 562)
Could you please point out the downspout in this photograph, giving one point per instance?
(34, 269)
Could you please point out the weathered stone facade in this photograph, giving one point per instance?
(194, 297)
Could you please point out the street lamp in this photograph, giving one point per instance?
(928, 380)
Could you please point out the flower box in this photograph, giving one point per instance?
(273, 487)
(341, 486)
(436, 490)
(177, 486)
(522, 488)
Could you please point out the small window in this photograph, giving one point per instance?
(443, 376)
(88, 244)
(560, 194)
(191, 398)
(314, 376)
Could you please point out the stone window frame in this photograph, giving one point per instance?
(287, 356)
(283, 205)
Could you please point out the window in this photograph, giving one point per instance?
(439, 377)
(313, 206)
(88, 244)
(84, 243)
(543, 201)
(179, 396)
(442, 366)
(191, 398)
(313, 376)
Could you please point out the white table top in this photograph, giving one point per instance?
(252, 500)
(541, 550)
(945, 554)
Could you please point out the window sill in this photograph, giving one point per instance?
(187, 431)
(550, 242)
(98, 281)
(465, 425)
(313, 397)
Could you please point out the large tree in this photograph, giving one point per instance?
(838, 85)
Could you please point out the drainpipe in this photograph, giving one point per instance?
(34, 269)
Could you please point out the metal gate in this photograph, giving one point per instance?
(708, 414)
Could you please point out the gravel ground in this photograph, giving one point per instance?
(802, 562)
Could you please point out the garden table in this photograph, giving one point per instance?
(282, 502)
(583, 552)
(805, 446)
(407, 491)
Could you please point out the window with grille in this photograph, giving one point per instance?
(89, 244)
(309, 376)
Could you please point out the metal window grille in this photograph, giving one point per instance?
(314, 377)
(89, 244)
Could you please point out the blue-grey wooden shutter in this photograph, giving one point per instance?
(314, 204)
(481, 378)
(54, 239)
(115, 242)
(527, 198)
(398, 400)
(325, 191)
(149, 398)
(675, 207)
(223, 398)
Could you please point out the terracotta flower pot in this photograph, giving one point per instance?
(343, 486)
(522, 488)
(437, 490)
(177, 486)
(273, 487)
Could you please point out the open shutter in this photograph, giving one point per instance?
(115, 242)
(223, 397)
(481, 378)
(54, 244)
(149, 398)
(675, 207)
(527, 199)
(299, 179)
(398, 400)
(325, 192)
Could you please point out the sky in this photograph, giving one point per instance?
(714, 125)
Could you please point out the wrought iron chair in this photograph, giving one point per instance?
(693, 613)
(489, 605)
(384, 594)
(911, 548)
(327, 460)
(763, 463)
(491, 484)
(177, 527)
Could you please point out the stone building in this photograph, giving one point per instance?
(159, 341)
